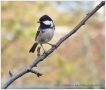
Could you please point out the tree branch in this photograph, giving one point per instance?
(35, 72)
(38, 51)
(10, 74)
(42, 57)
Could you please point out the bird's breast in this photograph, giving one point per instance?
(45, 36)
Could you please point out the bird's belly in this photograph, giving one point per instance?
(46, 36)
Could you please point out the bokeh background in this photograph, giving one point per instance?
(79, 62)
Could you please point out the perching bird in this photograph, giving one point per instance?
(45, 33)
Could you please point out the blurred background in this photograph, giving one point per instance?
(79, 62)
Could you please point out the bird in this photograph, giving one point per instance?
(44, 33)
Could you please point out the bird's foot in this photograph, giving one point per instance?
(45, 53)
(54, 46)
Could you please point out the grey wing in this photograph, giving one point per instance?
(38, 32)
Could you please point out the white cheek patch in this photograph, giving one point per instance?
(47, 22)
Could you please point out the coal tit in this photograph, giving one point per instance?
(45, 33)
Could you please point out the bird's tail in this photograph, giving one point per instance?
(33, 47)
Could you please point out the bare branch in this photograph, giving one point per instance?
(35, 72)
(13, 78)
(10, 74)
(32, 71)
(42, 57)
(38, 51)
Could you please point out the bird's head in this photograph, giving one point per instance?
(45, 19)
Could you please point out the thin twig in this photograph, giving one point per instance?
(35, 72)
(10, 74)
(38, 51)
(42, 57)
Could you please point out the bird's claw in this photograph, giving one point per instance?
(54, 46)
(45, 53)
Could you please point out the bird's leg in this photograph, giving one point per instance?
(44, 50)
(52, 45)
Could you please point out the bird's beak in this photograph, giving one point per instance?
(38, 22)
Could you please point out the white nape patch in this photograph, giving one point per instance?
(47, 22)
